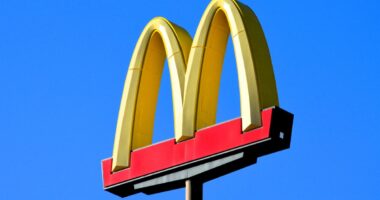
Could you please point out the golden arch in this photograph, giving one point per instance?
(195, 89)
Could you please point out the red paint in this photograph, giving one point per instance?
(167, 154)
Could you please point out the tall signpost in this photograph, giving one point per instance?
(201, 149)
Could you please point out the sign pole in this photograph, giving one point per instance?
(194, 190)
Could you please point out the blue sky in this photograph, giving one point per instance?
(62, 69)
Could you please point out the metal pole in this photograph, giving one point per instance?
(194, 190)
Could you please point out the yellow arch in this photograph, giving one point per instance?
(195, 90)
(138, 104)
(256, 78)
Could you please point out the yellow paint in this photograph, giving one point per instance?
(160, 38)
(195, 89)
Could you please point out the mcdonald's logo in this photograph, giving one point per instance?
(195, 67)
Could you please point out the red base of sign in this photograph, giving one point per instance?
(210, 145)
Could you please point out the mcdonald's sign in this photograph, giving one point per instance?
(201, 149)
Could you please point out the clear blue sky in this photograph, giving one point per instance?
(62, 69)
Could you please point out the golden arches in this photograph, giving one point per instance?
(194, 90)
(138, 104)
(256, 78)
